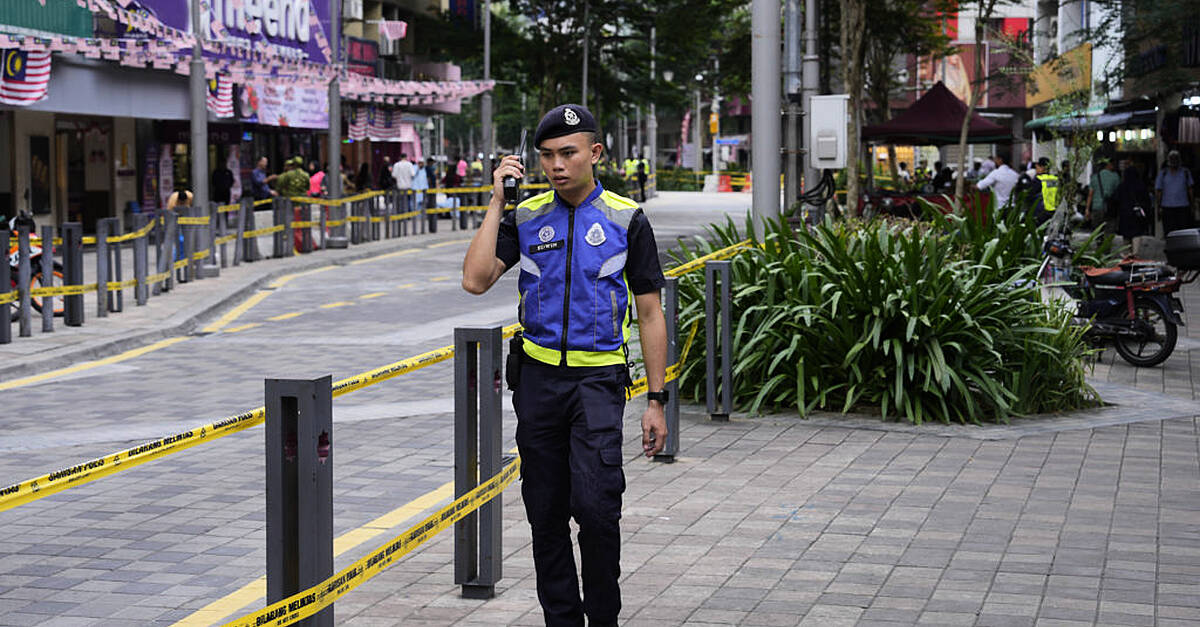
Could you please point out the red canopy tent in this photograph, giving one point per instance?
(935, 119)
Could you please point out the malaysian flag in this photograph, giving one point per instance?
(358, 123)
(24, 77)
(394, 29)
(220, 96)
(384, 125)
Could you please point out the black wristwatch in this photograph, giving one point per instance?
(660, 396)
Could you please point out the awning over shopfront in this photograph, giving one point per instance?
(935, 119)
(1091, 121)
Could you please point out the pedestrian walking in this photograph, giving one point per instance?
(1133, 202)
(221, 183)
(1173, 194)
(1001, 180)
(386, 182)
(402, 173)
(420, 183)
(574, 243)
(260, 181)
(1101, 192)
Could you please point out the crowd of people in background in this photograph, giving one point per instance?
(1121, 195)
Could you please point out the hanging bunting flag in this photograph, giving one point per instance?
(394, 29)
(25, 76)
(220, 96)
(358, 123)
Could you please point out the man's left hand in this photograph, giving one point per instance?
(654, 429)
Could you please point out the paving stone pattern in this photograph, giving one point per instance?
(1080, 519)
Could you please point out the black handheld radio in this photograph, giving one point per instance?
(512, 188)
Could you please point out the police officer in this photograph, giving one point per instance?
(587, 257)
(1047, 188)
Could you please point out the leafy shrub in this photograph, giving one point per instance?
(928, 321)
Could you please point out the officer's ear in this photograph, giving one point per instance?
(597, 152)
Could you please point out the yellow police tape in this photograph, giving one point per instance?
(114, 286)
(356, 219)
(155, 278)
(9, 297)
(699, 262)
(303, 224)
(404, 216)
(263, 231)
(228, 208)
(264, 201)
(201, 254)
(225, 239)
(192, 220)
(642, 385)
(36, 488)
(308, 602)
(63, 290)
(145, 230)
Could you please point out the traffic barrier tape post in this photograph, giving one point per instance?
(305, 603)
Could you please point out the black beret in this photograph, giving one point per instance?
(564, 120)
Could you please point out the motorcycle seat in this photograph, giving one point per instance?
(1107, 276)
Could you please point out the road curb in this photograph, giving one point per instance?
(186, 323)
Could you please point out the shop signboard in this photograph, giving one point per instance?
(362, 56)
(293, 29)
(281, 104)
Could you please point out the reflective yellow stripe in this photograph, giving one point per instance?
(574, 358)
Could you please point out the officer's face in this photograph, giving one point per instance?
(567, 160)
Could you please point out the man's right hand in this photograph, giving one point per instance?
(509, 166)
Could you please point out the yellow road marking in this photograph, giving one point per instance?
(283, 280)
(405, 286)
(387, 256)
(242, 327)
(88, 365)
(439, 278)
(372, 295)
(214, 612)
(340, 303)
(449, 243)
(236, 312)
(287, 316)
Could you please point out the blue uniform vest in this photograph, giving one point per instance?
(575, 304)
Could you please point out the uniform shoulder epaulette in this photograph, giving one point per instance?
(618, 202)
(534, 202)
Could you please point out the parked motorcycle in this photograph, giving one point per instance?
(35, 267)
(1133, 305)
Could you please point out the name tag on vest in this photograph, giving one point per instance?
(540, 248)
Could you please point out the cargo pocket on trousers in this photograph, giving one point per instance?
(613, 476)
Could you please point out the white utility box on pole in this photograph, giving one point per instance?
(828, 118)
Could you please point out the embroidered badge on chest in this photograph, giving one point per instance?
(595, 235)
(546, 233)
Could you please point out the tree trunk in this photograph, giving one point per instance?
(986, 8)
(854, 17)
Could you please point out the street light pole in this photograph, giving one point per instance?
(485, 105)
(586, 41)
(765, 88)
(811, 78)
(699, 160)
(652, 120)
(199, 98)
(333, 175)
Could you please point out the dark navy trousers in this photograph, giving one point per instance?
(569, 437)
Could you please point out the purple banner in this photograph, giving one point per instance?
(294, 29)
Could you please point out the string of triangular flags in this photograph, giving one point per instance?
(171, 49)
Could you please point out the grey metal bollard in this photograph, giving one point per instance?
(337, 235)
(47, 272)
(299, 459)
(24, 274)
(166, 253)
(141, 260)
(6, 309)
(671, 306)
(116, 298)
(102, 268)
(241, 248)
(222, 229)
(279, 216)
(210, 266)
(72, 236)
(714, 270)
(478, 379)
